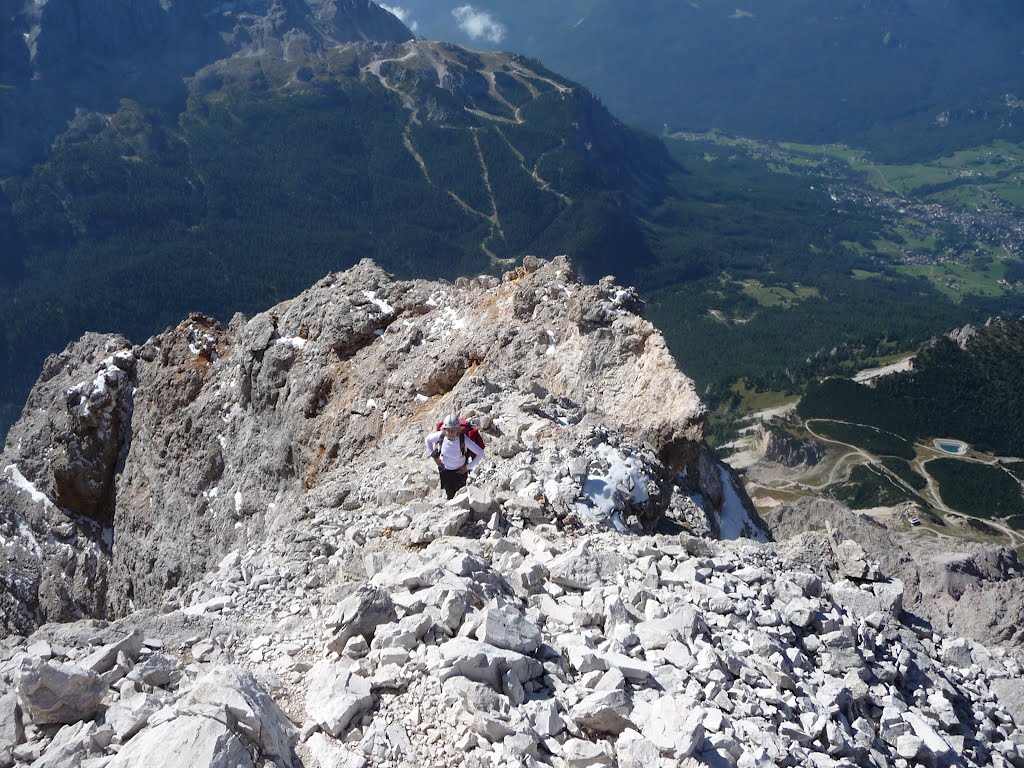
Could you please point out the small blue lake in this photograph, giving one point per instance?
(955, 447)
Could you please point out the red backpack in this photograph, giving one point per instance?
(468, 430)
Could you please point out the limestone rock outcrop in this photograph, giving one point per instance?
(970, 589)
(154, 461)
(294, 590)
(57, 485)
(791, 451)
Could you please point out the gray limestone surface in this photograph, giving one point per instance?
(971, 589)
(278, 604)
(135, 469)
(640, 667)
(690, 652)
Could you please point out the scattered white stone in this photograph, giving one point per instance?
(507, 628)
(337, 693)
(674, 727)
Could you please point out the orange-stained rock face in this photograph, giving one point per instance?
(207, 438)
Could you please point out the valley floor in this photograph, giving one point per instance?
(900, 493)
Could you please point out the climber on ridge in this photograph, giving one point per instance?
(456, 447)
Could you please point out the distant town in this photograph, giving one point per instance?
(999, 229)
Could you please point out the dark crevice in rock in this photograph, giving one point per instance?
(318, 399)
(447, 374)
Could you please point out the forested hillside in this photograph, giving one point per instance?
(264, 183)
(437, 161)
(973, 393)
(763, 276)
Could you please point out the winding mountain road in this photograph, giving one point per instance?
(855, 455)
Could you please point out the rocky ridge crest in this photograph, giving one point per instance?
(136, 468)
(314, 602)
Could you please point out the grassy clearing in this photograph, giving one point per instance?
(863, 274)
(957, 280)
(752, 401)
(906, 244)
(888, 248)
(996, 157)
(1014, 195)
(911, 241)
(832, 151)
(778, 295)
(965, 197)
(983, 172)
(977, 165)
(905, 179)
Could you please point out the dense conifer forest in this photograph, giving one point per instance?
(975, 394)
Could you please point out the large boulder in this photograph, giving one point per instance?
(359, 615)
(193, 740)
(58, 693)
(336, 694)
(233, 695)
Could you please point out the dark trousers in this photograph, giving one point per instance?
(452, 480)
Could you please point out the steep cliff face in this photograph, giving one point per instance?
(967, 588)
(60, 56)
(58, 484)
(792, 451)
(206, 439)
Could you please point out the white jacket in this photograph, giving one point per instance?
(451, 455)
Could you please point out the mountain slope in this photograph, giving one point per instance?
(316, 603)
(289, 163)
(898, 72)
(295, 153)
(155, 461)
(966, 385)
(62, 56)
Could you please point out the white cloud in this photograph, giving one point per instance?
(479, 25)
(403, 15)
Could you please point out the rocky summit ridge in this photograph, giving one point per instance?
(135, 468)
(274, 579)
